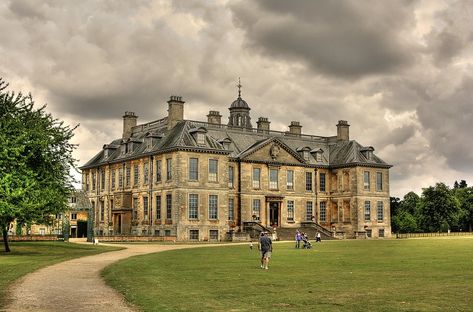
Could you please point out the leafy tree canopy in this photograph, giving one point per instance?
(35, 162)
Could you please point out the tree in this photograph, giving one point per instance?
(465, 198)
(404, 219)
(35, 162)
(438, 208)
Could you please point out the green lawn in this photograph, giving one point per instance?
(350, 275)
(26, 257)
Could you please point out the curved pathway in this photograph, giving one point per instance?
(76, 284)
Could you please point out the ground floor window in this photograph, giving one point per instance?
(194, 234)
(368, 233)
(213, 234)
(381, 233)
(323, 211)
(290, 210)
(156, 232)
(256, 209)
(167, 232)
(309, 212)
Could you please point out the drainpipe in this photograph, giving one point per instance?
(150, 196)
(239, 219)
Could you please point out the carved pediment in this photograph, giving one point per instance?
(272, 151)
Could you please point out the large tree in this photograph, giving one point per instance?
(35, 162)
(439, 209)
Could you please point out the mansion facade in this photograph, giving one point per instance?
(196, 180)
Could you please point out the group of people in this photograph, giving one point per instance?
(302, 237)
(265, 245)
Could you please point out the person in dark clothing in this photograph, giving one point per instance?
(265, 246)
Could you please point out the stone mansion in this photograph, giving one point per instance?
(195, 180)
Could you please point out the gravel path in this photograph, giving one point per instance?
(76, 284)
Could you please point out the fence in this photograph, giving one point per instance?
(434, 234)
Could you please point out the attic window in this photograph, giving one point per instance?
(318, 156)
(106, 153)
(123, 149)
(130, 147)
(304, 152)
(226, 143)
(200, 138)
(305, 155)
(149, 143)
(367, 152)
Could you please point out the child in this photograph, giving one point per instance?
(251, 244)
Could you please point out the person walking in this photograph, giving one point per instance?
(318, 239)
(298, 238)
(265, 246)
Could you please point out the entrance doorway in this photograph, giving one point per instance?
(274, 214)
(81, 229)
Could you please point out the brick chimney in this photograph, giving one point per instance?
(214, 117)
(295, 128)
(343, 133)
(129, 121)
(175, 110)
(263, 125)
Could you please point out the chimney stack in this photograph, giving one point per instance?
(214, 117)
(129, 121)
(295, 128)
(343, 133)
(175, 110)
(263, 125)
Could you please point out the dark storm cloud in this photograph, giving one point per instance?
(346, 39)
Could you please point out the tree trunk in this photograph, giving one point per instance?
(5, 239)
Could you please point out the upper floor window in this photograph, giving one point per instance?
(193, 169)
(120, 177)
(379, 181)
(367, 210)
(128, 176)
(230, 176)
(366, 180)
(135, 175)
(213, 170)
(94, 181)
(273, 179)
(146, 173)
(290, 179)
(322, 182)
(158, 170)
(290, 210)
(169, 169)
(213, 207)
(256, 177)
(135, 208)
(113, 179)
(73, 216)
(308, 181)
(102, 179)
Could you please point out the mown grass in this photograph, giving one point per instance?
(350, 275)
(26, 257)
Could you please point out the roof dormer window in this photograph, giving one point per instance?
(199, 135)
(226, 143)
(304, 152)
(123, 149)
(317, 154)
(367, 152)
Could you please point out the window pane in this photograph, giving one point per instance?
(366, 180)
(379, 181)
(158, 171)
(309, 211)
(367, 211)
(256, 177)
(146, 173)
(193, 169)
(168, 206)
(273, 179)
(145, 207)
(256, 209)
(158, 207)
(193, 206)
(230, 177)
(213, 210)
(323, 211)
(168, 169)
(128, 176)
(135, 175)
(380, 211)
(290, 180)
(290, 210)
(231, 209)
(322, 182)
(308, 181)
(213, 170)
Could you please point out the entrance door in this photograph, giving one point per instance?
(81, 228)
(274, 214)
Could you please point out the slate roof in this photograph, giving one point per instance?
(243, 142)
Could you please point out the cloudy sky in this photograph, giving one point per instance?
(399, 71)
